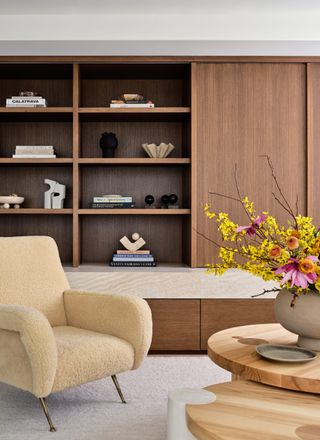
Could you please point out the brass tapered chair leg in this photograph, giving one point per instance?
(116, 383)
(46, 412)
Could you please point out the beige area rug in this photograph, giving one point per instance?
(93, 411)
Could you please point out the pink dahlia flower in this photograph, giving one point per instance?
(291, 272)
(251, 229)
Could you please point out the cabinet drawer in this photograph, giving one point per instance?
(176, 324)
(219, 314)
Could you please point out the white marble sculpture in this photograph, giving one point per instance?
(133, 246)
(54, 197)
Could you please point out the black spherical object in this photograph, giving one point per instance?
(173, 198)
(165, 199)
(108, 144)
(149, 199)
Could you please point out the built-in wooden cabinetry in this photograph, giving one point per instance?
(245, 111)
(79, 95)
(218, 112)
(186, 324)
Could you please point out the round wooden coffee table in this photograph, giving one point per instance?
(252, 409)
(234, 349)
(246, 410)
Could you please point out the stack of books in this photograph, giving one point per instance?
(34, 152)
(131, 100)
(112, 202)
(26, 101)
(133, 259)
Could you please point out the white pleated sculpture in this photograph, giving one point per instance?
(177, 428)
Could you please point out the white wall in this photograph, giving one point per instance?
(234, 33)
(231, 26)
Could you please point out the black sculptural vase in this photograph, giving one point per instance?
(108, 144)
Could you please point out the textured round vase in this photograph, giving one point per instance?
(301, 319)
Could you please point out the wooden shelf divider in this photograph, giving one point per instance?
(36, 110)
(134, 110)
(134, 211)
(57, 161)
(134, 161)
(76, 180)
(35, 211)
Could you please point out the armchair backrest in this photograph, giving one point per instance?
(31, 274)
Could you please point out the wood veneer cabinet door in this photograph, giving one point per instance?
(244, 111)
(220, 314)
(313, 141)
(176, 324)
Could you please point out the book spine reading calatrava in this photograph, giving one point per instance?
(26, 101)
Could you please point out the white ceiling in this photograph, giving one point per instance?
(43, 7)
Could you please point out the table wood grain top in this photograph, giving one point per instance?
(245, 410)
(234, 349)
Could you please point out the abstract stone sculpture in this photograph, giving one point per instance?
(139, 242)
(54, 197)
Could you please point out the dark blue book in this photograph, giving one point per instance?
(132, 264)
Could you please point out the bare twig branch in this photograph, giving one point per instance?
(274, 177)
(238, 191)
(213, 242)
(225, 196)
(282, 205)
(275, 289)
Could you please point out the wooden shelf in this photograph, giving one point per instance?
(134, 161)
(58, 161)
(99, 110)
(134, 211)
(36, 110)
(156, 114)
(103, 267)
(79, 95)
(35, 211)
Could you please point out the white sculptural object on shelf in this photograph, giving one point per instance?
(133, 247)
(54, 197)
(12, 200)
(158, 151)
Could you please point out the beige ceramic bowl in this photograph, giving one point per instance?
(12, 200)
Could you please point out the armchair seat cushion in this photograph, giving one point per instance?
(85, 355)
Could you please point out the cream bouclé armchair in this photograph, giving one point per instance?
(52, 337)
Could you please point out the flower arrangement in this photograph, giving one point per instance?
(285, 254)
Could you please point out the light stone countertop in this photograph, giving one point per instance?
(168, 282)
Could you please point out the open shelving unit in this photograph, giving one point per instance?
(79, 95)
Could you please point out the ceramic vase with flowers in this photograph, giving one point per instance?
(288, 255)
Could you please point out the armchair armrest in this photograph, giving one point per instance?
(124, 316)
(37, 337)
